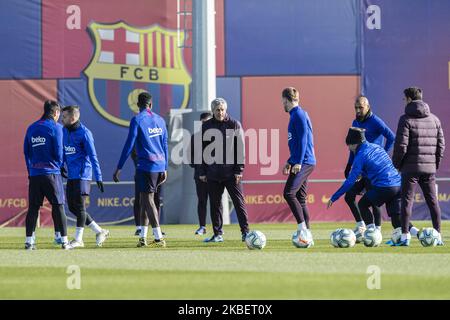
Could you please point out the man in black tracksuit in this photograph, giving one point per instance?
(222, 166)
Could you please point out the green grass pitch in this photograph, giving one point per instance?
(191, 269)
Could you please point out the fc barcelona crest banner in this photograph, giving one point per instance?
(129, 60)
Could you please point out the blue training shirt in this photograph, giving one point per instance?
(300, 138)
(148, 133)
(43, 148)
(376, 130)
(80, 155)
(373, 162)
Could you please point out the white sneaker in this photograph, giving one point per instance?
(76, 244)
(359, 233)
(101, 237)
(66, 246)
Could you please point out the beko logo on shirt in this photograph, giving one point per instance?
(289, 136)
(69, 149)
(154, 132)
(37, 141)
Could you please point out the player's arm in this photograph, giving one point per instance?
(27, 152)
(92, 154)
(239, 150)
(355, 172)
(166, 146)
(58, 145)
(127, 148)
(351, 157)
(387, 133)
(298, 142)
(202, 167)
(165, 141)
(440, 145)
(401, 142)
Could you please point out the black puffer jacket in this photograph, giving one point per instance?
(419, 142)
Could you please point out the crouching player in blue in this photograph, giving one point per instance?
(43, 150)
(81, 159)
(372, 162)
(148, 133)
(376, 132)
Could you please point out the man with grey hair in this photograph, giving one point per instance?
(222, 166)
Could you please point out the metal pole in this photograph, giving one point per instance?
(203, 90)
(203, 54)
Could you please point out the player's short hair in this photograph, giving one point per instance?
(50, 107)
(291, 94)
(205, 115)
(414, 93)
(72, 110)
(218, 102)
(362, 97)
(144, 99)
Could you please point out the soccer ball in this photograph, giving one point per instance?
(302, 239)
(429, 237)
(396, 235)
(372, 237)
(343, 238)
(255, 240)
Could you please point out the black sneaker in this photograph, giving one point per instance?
(30, 246)
(244, 235)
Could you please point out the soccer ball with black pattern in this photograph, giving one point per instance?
(255, 240)
(343, 238)
(429, 237)
(372, 237)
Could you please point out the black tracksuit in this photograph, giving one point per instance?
(220, 173)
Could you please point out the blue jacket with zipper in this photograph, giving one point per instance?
(300, 138)
(43, 147)
(148, 133)
(79, 153)
(376, 130)
(373, 162)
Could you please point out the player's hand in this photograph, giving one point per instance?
(296, 169)
(238, 178)
(163, 177)
(100, 186)
(202, 178)
(286, 169)
(116, 175)
(330, 203)
(63, 172)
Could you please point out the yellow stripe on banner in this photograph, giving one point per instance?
(141, 50)
(168, 58)
(150, 49)
(159, 50)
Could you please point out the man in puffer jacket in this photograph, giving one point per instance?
(418, 151)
